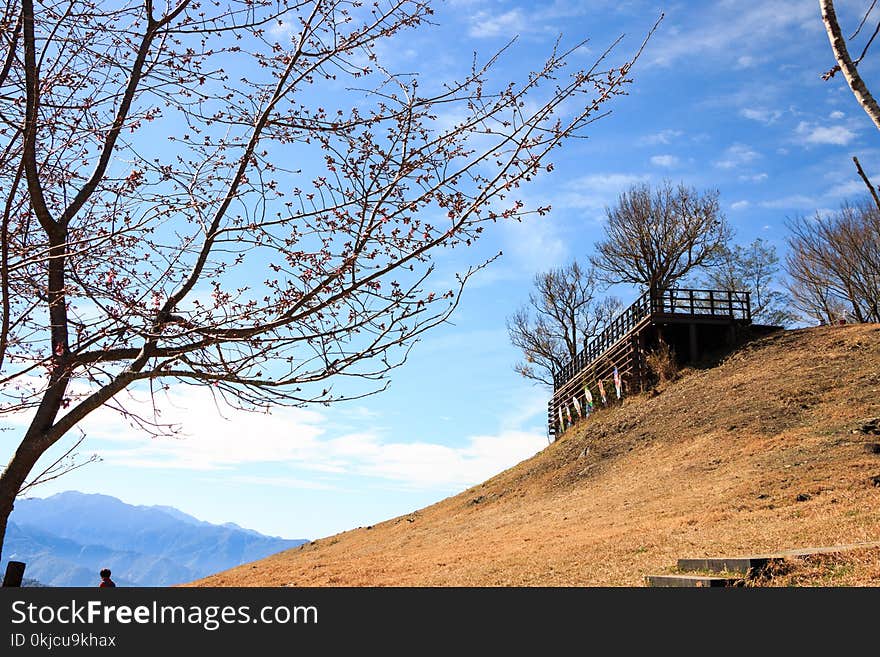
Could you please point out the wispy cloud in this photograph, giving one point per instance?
(662, 137)
(747, 61)
(730, 30)
(432, 465)
(596, 191)
(753, 177)
(666, 161)
(848, 188)
(485, 24)
(737, 155)
(535, 242)
(761, 115)
(223, 440)
(739, 205)
(810, 133)
(486, 19)
(280, 482)
(793, 201)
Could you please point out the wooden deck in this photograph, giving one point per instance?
(691, 321)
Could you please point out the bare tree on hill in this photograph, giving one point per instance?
(562, 314)
(239, 195)
(834, 264)
(655, 238)
(835, 261)
(752, 267)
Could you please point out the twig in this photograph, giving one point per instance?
(871, 187)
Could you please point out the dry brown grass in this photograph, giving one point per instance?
(851, 568)
(713, 466)
(661, 362)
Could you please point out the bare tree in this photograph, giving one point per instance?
(753, 267)
(834, 264)
(835, 261)
(239, 195)
(654, 238)
(562, 314)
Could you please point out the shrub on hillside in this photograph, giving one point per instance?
(661, 362)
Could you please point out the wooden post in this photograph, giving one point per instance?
(730, 303)
(14, 574)
(711, 302)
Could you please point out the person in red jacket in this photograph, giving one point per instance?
(105, 579)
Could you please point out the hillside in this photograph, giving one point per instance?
(771, 449)
(67, 538)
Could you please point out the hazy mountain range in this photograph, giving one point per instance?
(66, 539)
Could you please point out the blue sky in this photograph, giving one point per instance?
(727, 96)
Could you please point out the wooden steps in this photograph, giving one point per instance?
(623, 342)
(692, 581)
(744, 568)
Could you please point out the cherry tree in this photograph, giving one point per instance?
(241, 195)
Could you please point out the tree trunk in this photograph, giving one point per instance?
(13, 478)
(850, 72)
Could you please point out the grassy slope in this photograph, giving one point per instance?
(711, 466)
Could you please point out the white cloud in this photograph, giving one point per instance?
(816, 134)
(792, 201)
(662, 137)
(848, 188)
(664, 161)
(761, 115)
(221, 440)
(739, 205)
(596, 191)
(490, 24)
(731, 30)
(279, 482)
(431, 465)
(540, 17)
(208, 437)
(737, 155)
(535, 242)
(836, 115)
(756, 177)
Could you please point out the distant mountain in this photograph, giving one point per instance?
(31, 583)
(67, 538)
(176, 513)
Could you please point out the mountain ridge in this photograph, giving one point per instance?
(67, 538)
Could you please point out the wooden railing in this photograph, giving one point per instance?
(733, 304)
(717, 303)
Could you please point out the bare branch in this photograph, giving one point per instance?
(867, 182)
(186, 205)
(846, 64)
